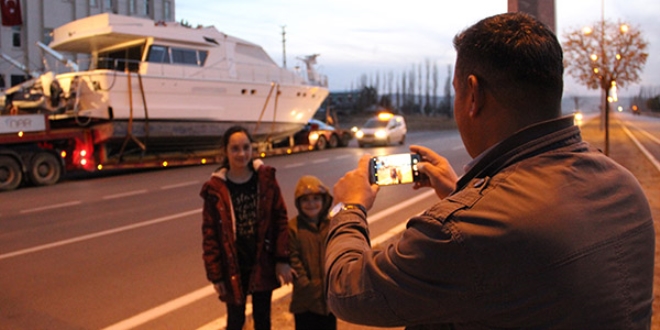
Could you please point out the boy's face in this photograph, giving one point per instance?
(311, 205)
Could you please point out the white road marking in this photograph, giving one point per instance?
(322, 160)
(126, 194)
(179, 185)
(49, 207)
(99, 234)
(458, 147)
(646, 153)
(292, 165)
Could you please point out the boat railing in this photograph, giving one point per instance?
(248, 72)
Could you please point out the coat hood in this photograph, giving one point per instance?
(309, 184)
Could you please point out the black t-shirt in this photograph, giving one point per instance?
(244, 201)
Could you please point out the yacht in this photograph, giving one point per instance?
(169, 83)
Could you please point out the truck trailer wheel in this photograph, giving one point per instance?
(45, 169)
(11, 175)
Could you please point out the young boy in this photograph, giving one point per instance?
(307, 233)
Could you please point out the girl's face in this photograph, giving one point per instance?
(239, 150)
(311, 205)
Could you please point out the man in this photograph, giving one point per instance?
(542, 231)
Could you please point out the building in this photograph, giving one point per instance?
(24, 22)
(543, 10)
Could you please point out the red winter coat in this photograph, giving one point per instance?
(220, 255)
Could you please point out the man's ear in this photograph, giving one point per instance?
(476, 95)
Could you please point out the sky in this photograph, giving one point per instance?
(376, 37)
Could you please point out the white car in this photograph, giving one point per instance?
(384, 129)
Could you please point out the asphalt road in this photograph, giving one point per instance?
(123, 250)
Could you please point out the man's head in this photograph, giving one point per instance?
(508, 75)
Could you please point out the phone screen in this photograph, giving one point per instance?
(394, 169)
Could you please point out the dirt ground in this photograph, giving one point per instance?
(622, 150)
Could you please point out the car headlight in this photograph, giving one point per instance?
(381, 134)
(359, 134)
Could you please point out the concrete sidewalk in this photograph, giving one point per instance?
(623, 150)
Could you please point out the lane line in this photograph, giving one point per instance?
(50, 207)
(179, 185)
(322, 160)
(98, 234)
(291, 165)
(125, 194)
(163, 309)
(646, 153)
(219, 323)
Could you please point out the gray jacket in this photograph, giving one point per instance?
(543, 232)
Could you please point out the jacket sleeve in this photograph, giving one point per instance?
(211, 235)
(410, 282)
(280, 222)
(295, 258)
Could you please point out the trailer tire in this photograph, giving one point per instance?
(334, 141)
(321, 143)
(45, 169)
(11, 175)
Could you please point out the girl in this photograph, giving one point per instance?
(245, 237)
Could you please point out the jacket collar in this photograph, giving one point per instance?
(528, 142)
(221, 173)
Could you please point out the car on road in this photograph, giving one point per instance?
(384, 129)
(321, 135)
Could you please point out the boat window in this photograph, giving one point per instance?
(121, 59)
(202, 56)
(184, 56)
(158, 54)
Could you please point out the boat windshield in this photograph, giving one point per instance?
(121, 59)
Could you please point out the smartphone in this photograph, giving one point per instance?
(394, 169)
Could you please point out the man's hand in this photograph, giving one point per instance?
(354, 187)
(437, 171)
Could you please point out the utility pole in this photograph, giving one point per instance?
(283, 47)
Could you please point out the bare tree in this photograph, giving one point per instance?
(604, 56)
(427, 106)
(435, 86)
(420, 89)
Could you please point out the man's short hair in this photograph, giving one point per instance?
(514, 55)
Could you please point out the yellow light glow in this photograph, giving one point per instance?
(83, 153)
(165, 163)
(594, 57)
(83, 162)
(384, 116)
(618, 56)
(99, 167)
(203, 160)
(63, 154)
(587, 30)
(596, 70)
(20, 134)
(624, 28)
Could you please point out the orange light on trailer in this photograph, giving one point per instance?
(164, 163)
(99, 167)
(20, 134)
(203, 160)
(262, 155)
(63, 154)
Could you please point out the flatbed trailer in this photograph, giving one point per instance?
(37, 150)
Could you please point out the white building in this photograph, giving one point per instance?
(38, 18)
